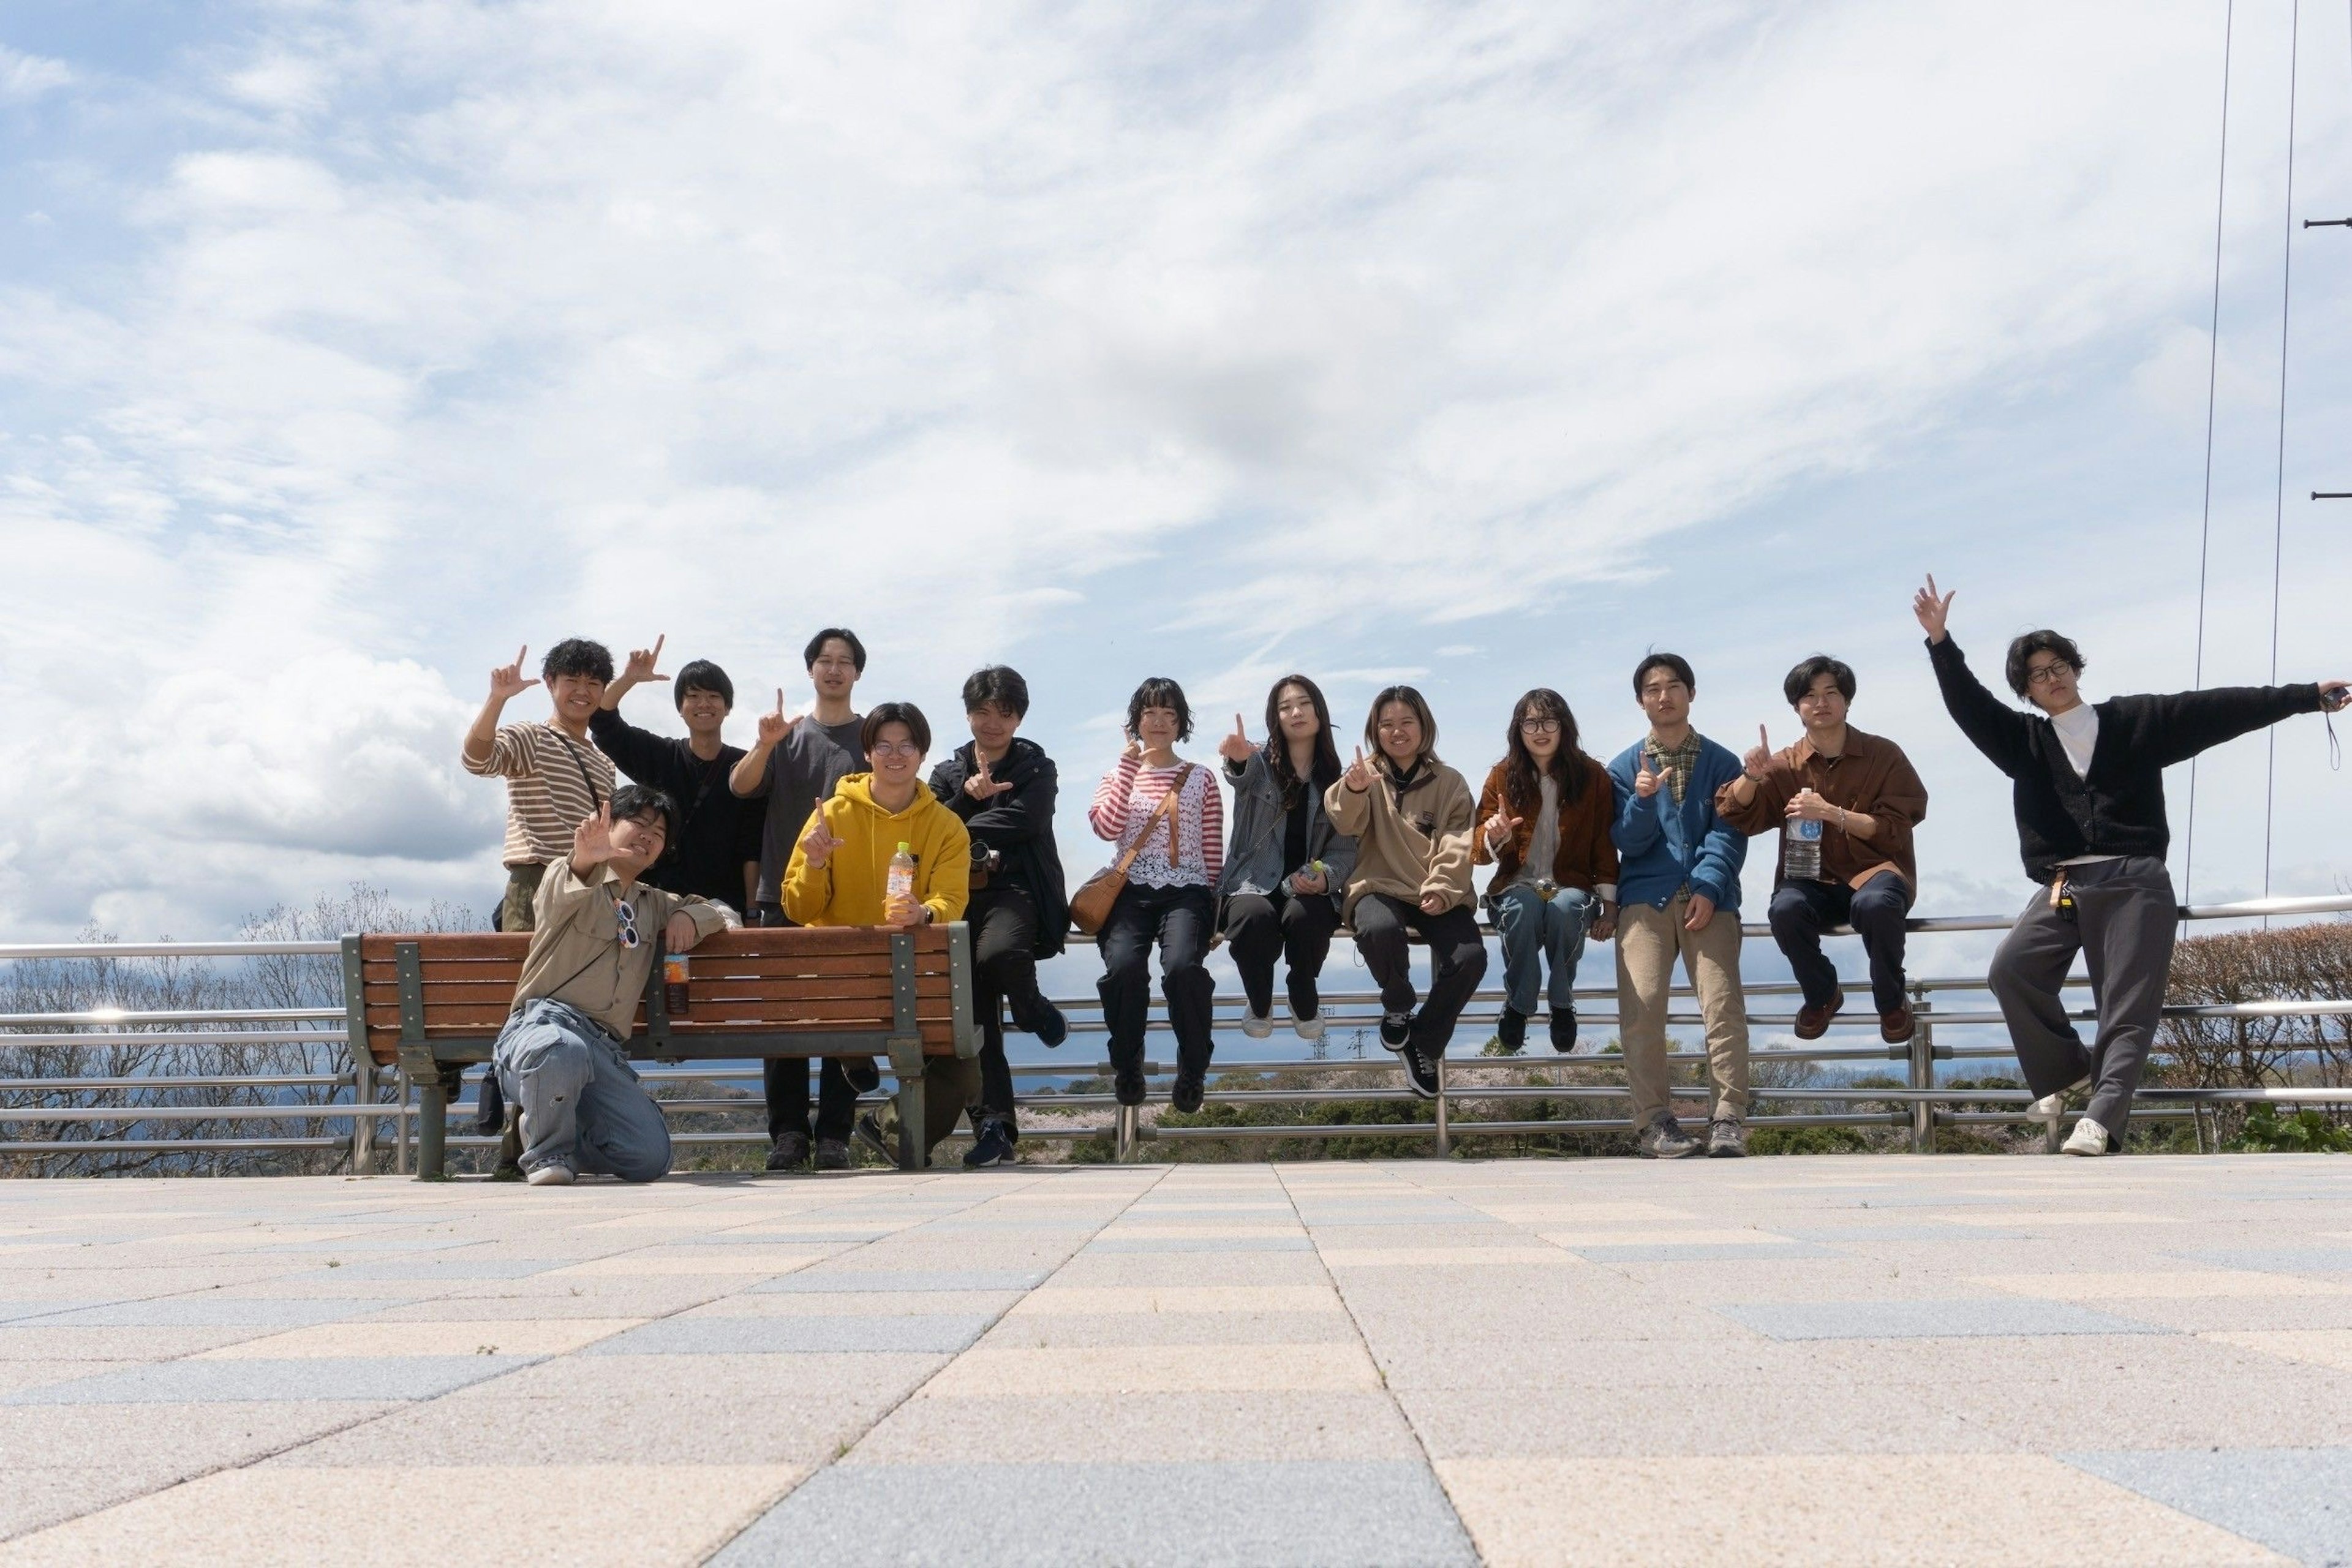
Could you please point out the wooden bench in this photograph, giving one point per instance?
(437, 1002)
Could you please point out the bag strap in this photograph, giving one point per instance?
(581, 763)
(1167, 808)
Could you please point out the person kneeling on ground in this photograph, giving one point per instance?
(560, 1056)
(840, 875)
(1867, 797)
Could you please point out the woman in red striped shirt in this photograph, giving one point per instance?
(1167, 895)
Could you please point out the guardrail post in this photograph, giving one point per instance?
(353, 979)
(363, 1121)
(1445, 1133)
(1123, 1126)
(1923, 1073)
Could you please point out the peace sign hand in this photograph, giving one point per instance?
(507, 681)
(642, 662)
(1652, 774)
(1499, 830)
(1933, 611)
(1759, 760)
(1359, 776)
(1235, 747)
(775, 727)
(819, 843)
(592, 840)
(981, 786)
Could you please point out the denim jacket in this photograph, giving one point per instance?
(1253, 849)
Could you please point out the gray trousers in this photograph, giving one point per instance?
(581, 1105)
(2125, 920)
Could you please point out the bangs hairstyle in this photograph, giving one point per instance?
(634, 802)
(703, 675)
(577, 656)
(1160, 692)
(1674, 662)
(2021, 652)
(918, 728)
(1412, 698)
(816, 647)
(998, 685)
(1326, 770)
(1522, 779)
(1801, 679)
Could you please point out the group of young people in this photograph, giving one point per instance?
(1647, 848)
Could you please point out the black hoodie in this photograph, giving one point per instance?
(1018, 825)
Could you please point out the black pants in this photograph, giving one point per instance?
(1004, 970)
(1265, 926)
(1802, 910)
(785, 1081)
(1179, 918)
(1458, 959)
(2124, 922)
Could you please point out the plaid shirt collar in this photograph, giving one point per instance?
(1678, 763)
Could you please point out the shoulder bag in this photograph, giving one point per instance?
(1090, 905)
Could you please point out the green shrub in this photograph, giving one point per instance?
(2305, 1132)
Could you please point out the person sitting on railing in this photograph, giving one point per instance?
(1679, 876)
(2087, 788)
(1867, 798)
(1003, 788)
(560, 1057)
(554, 773)
(1414, 821)
(1165, 897)
(840, 875)
(715, 855)
(1544, 818)
(1288, 866)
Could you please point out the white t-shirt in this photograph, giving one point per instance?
(2078, 736)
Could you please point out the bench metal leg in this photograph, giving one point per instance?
(912, 1124)
(431, 1130)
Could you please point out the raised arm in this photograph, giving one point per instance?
(2187, 722)
(2002, 734)
(1753, 801)
(749, 777)
(640, 668)
(1108, 816)
(636, 753)
(481, 752)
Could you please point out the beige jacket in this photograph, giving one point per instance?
(576, 955)
(1405, 849)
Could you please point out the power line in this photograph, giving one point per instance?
(2212, 383)
(2278, 502)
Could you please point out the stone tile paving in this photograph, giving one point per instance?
(2026, 1360)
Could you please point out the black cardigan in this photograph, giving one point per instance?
(1019, 826)
(2117, 809)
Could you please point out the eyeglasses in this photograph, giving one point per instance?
(2046, 674)
(1538, 726)
(894, 749)
(625, 922)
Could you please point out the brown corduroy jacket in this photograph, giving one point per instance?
(1587, 856)
(1871, 776)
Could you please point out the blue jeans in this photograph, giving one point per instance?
(581, 1102)
(1536, 929)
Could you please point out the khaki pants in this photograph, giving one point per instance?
(1647, 941)
(518, 909)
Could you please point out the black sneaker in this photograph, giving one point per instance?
(1051, 1028)
(790, 1152)
(863, 1075)
(832, 1155)
(1511, 1029)
(1396, 1028)
(1185, 1095)
(1420, 1071)
(868, 1132)
(992, 1147)
(1127, 1083)
(1563, 1029)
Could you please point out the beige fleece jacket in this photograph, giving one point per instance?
(1405, 849)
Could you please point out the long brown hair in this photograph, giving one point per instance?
(1522, 784)
(1326, 770)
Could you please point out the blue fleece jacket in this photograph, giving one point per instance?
(1660, 844)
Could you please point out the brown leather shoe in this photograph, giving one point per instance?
(1895, 1027)
(1813, 1023)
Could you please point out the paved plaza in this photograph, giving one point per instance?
(1855, 1360)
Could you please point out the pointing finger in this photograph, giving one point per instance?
(659, 639)
(779, 701)
(521, 654)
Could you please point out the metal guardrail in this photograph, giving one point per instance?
(354, 1097)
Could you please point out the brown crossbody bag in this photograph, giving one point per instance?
(1090, 905)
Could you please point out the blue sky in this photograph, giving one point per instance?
(342, 348)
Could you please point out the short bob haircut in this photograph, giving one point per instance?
(998, 685)
(1801, 679)
(1412, 698)
(2021, 652)
(816, 646)
(577, 656)
(703, 675)
(1667, 661)
(636, 803)
(918, 728)
(1159, 692)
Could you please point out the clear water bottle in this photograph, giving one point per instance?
(1801, 850)
(902, 871)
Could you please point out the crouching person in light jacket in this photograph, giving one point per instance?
(561, 1054)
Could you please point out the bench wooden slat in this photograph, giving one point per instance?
(788, 995)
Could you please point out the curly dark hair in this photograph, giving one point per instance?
(577, 656)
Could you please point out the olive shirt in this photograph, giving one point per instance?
(576, 954)
(1871, 777)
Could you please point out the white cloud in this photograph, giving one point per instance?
(24, 78)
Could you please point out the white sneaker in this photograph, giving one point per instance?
(552, 1175)
(2051, 1107)
(1307, 1029)
(2089, 1139)
(1256, 1025)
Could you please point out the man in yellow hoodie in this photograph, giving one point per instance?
(840, 875)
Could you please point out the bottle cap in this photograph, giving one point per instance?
(905, 848)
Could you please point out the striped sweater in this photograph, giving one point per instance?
(553, 784)
(1126, 800)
